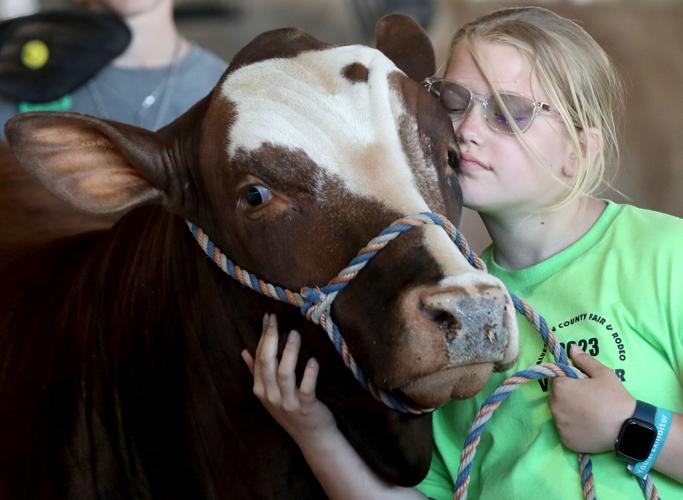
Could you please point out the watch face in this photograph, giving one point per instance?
(636, 440)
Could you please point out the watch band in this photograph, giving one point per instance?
(662, 421)
(645, 412)
(637, 434)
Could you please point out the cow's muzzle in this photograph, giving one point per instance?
(461, 330)
(475, 316)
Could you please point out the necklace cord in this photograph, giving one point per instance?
(161, 93)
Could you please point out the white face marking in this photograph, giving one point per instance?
(350, 130)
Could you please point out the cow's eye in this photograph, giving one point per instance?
(258, 195)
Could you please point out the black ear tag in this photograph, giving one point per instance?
(45, 56)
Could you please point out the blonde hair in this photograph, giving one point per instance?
(576, 73)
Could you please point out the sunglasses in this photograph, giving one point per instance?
(458, 100)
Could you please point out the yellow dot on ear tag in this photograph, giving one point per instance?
(35, 54)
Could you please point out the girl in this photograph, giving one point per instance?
(533, 100)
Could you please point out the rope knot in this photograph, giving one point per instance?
(316, 304)
(312, 295)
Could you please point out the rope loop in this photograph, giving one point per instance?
(561, 368)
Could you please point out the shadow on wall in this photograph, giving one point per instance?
(645, 42)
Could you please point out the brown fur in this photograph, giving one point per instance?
(30, 214)
(356, 72)
(120, 372)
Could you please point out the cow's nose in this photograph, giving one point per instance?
(472, 320)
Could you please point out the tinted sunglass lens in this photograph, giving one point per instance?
(520, 108)
(454, 98)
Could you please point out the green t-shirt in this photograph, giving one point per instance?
(617, 292)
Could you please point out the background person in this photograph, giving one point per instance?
(156, 79)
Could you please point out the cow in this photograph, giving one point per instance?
(120, 369)
(31, 215)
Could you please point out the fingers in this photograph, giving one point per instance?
(286, 377)
(267, 361)
(264, 328)
(275, 383)
(248, 359)
(257, 369)
(246, 355)
(586, 363)
(308, 383)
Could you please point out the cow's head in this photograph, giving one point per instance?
(302, 154)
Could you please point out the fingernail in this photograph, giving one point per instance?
(576, 348)
(265, 319)
(312, 363)
(293, 337)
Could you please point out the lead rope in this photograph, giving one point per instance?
(316, 303)
(512, 383)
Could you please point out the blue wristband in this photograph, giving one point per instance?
(662, 424)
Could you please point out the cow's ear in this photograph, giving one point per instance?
(96, 165)
(404, 42)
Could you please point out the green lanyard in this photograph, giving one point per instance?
(61, 104)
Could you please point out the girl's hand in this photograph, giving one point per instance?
(297, 410)
(340, 470)
(589, 412)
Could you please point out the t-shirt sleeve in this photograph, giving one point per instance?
(675, 311)
(437, 484)
(667, 295)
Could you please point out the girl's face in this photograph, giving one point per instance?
(497, 175)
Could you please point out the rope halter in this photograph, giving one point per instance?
(315, 302)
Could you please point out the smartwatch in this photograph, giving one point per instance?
(637, 434)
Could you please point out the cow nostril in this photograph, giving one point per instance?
(453, 159)
(470, 320)
(444, 321)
